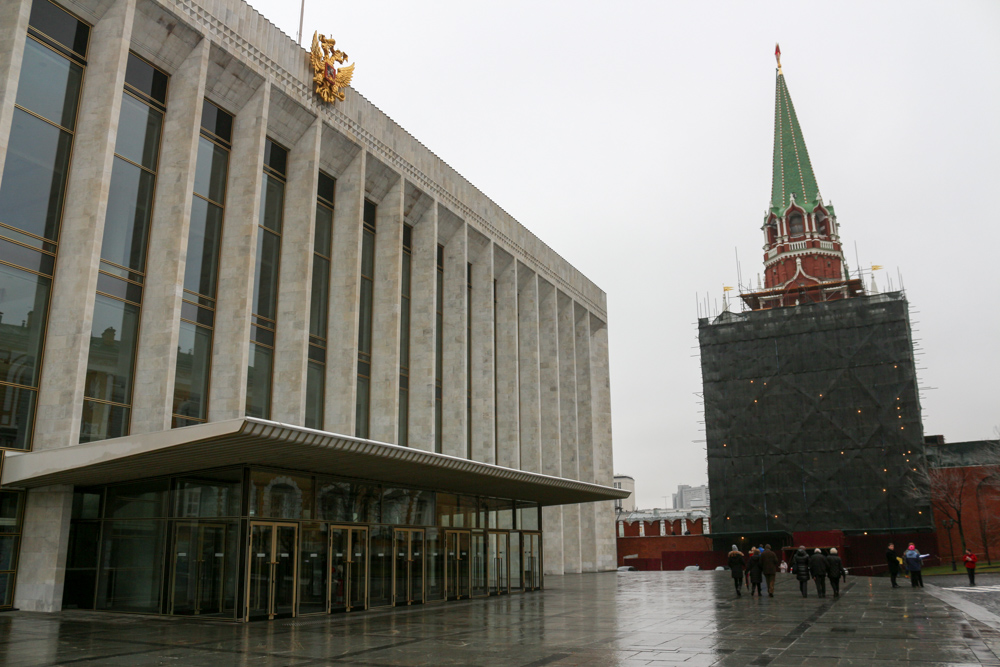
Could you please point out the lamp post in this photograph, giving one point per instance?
(948, 523)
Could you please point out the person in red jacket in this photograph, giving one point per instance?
(970, 566)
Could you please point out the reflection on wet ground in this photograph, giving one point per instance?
(634, 618)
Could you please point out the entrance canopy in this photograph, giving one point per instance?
(266, 443)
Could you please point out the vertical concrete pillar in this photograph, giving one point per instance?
(528, 370)
(13, 31)
(71, 308)
(507, 397)
(41, 568)
(603, 464)
(455, 379)
(569, 464)
(345, 286)
(585, 435)
(384, 420)
(231, 342)
(423, 328)
(156, 357)
(291, 352)
(548, 365)
(483, 389)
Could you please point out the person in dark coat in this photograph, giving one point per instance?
(970, 566)
(800, 566)
(736, 563)
(834, 570)
(756, 572)
(817, 569)
(892, 560)
(769, 565)
(914, 565)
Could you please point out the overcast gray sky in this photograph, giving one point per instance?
(635, 139)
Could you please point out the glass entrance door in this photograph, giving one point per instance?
(498, 564)
(198, 568)
(271, 574)
(479, 563)
(532, 559)
(348, 569)
(457, 564)
(408, 586)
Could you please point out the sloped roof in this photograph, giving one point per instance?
(792, 172)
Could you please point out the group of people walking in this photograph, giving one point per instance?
(763, 564)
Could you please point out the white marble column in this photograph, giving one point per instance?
(603, 463)
(569, 464)
(156, 357)
(71, 308)
(345, 286)
(231, 339)
(13, 31)
(507, 397)
(384, 415)
(528, 369)
(483, 389)
(41, 567)
(455, 379)
(423, 328)
(585, 435)
(548, 364)
(291, 352)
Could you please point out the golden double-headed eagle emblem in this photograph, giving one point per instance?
(329, 80)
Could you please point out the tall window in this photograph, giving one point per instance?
(319, 306)
(795, 226)
(265, 281)
(496, 386)
(404, 339)
(201, 273)
(365, 321)
(115, 330)
(31, 205)
(468, 361)
(439, 350)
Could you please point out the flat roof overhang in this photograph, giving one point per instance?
(266, 443)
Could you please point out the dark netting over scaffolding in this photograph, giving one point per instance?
(813, 419)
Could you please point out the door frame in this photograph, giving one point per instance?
(198, 525)
(349, 550)
(409, 552)
(505, 535)
(458, 533)
(274, 525)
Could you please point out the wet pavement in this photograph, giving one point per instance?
(634, 618)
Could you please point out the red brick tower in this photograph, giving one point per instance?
(803, 257)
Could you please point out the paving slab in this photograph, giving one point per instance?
(610, 619)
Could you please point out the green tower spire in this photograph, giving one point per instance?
(792, 171)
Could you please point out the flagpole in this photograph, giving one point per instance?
(302, 15)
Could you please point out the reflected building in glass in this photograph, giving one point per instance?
(265, 356)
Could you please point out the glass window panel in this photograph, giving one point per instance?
(8, 549)
(209, 496)
(404, 334)
(119, 288)
(265, 289)
(141, 500)
(216, 121)
(146, 79)
(365, 318)
(258, 402)
(194, 363)
(10, 504)
(368, 254)
(320, 304)
(6, 589)
(211, 169)
(405, 291)
(315, 398)
(323, 237)
(343, 501)
(34, 176)
(24, 300)
(17, 412)
(369, 214)
(404, 417)
(112, 350)
(275, 157)
(131, 566)
(317, 353)
(102, 421)
(409, 507)
(192, 312)
(262, 335)
(130, 203)
(272, 196)
(138, 132)
(527, 515)
(59, 25)
(201, 272)
(49, 84)
(324, 188)
(361, 408)
(278, 495)
(86, 504)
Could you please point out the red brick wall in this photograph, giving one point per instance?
(987, 499)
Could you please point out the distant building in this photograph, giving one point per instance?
(625, 483)
(692, 497)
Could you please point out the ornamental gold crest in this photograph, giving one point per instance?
(329, 81)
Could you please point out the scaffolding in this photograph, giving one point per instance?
(812, 418)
